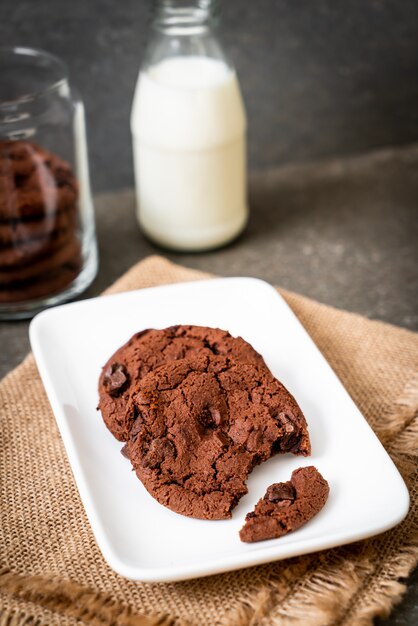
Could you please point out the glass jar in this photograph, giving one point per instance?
(188, 125)
(48, 251)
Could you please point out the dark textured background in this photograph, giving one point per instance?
(319, 78)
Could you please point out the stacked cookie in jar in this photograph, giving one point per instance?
(40, 252)
(48, 250)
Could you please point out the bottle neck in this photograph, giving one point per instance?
(185, 17)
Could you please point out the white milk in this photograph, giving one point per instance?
(188, 125)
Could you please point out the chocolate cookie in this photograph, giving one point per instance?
(33, 182)
(151, 348)
(67, 252)
(40, 251)
(48, 199)
(13, 257)
(45, 285)
(201, 424)
(19, 157)
(19, 232)
(286, 506)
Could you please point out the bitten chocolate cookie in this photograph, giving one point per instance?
(286, 506)
(201, 424)
(151, 348)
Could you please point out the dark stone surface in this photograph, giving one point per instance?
(319, 78)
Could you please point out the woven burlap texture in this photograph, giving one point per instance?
(52, 573)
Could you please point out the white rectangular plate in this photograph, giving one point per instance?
(141, 539)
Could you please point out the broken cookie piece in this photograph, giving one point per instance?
(286, 506)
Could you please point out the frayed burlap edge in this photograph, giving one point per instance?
(330, 586)
(69, 600)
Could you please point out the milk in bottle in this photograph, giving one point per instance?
(188, 126)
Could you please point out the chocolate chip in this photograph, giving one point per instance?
(281, 491)
(116, 379)
(290, 440)
(137, 426)
(124, 451)
(254, 441)
(287, 422)
(209, 417)
(158, 451)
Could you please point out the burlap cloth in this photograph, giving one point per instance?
(52, 573)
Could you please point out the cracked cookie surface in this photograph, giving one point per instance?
(149, 349)
(201, 424)
(286, 506)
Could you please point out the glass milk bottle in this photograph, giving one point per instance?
(188, 126)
